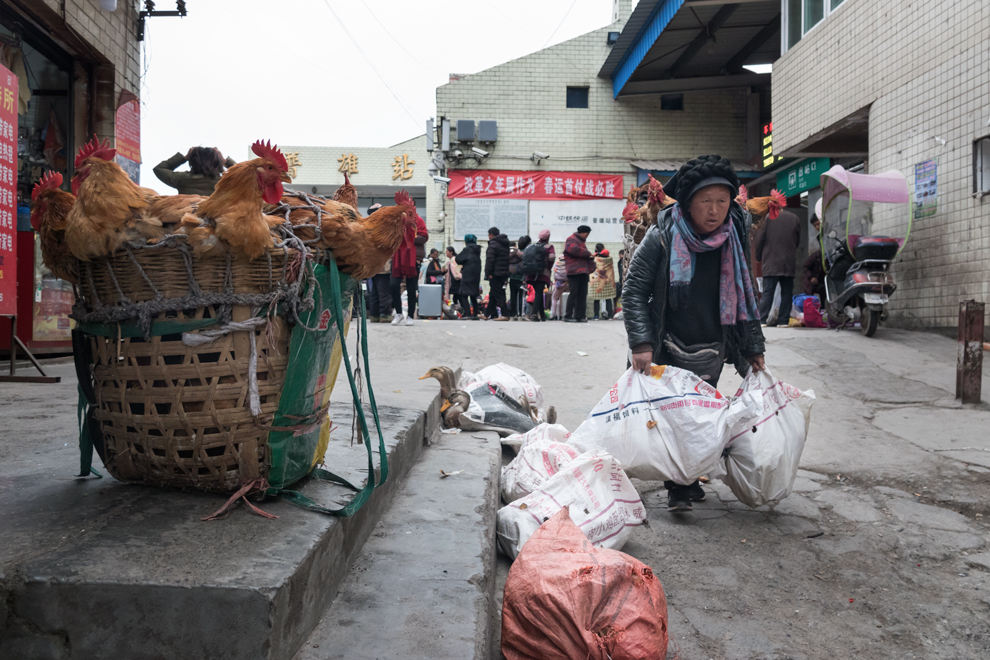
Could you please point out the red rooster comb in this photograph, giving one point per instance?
(655, 193)
(777, 202)
(403, 198)
(50, 181)
(266, 150)
(94, 148)
(629, 213)
(743, 196)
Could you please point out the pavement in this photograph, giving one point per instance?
(881, 550)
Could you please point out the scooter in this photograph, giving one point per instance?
(858, 281)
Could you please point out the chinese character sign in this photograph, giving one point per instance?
(402, 167)
(292, 160)
(127, 130)
(348, 163)
(533, 185)
(8, 193)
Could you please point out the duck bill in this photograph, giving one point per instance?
(446, 404)
(424, 376)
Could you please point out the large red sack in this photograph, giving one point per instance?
(567, 599)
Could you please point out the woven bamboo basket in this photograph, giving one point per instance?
(179, 415)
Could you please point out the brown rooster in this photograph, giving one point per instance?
(49, 207)
(362, 246)
(110, 209)
(346, 194)
(232, 216)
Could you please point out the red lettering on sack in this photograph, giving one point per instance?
(324, 320)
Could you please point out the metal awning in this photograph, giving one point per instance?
(672, 166)
(687, 45)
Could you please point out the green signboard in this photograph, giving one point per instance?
(803, 176)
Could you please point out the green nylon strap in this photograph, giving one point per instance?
(85, 438)
(364, 493)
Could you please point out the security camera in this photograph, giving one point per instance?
(539, 155)
(441, 179)
(457, 153)
(479, 152)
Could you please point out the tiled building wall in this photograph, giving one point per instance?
(527, 97)
(925, 68)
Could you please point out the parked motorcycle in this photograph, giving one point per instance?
(857, 261)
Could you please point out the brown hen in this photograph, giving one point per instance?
(232, 216)
(49, 207)
(110, 209)
(346, 194)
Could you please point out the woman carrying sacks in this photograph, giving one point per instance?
(688, 296)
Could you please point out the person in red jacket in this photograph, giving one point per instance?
(580, 264)
(405, 266)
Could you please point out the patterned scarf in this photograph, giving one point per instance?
(736, 299)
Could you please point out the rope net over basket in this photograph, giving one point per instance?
(188, 356)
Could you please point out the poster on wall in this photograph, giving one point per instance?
(508, 184)
(925, 189)
(128, 139)
(604, 216)
(8, 193)
(476, 216)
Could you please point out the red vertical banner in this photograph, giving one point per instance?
(8, 193)
(128, 131)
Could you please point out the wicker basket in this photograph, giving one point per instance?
(178, 415)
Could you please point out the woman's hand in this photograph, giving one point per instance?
(642, 361)
(758, 362)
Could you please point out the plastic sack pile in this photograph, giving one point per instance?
(763, 453)
(566, 599)
(606, 506)
(643, 421)
(503, 399)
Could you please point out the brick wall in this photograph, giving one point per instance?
(527, 97)
(925, 68)
(105, 40)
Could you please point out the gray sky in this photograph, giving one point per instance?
(234, 71)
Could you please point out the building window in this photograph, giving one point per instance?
(672, 102)
(981, 166)
(577, 97)
(801, 16)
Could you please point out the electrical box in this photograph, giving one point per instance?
(465, 130)
(429, 135)
(487, 131)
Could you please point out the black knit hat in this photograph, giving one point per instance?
(583, 229)
(698, 173)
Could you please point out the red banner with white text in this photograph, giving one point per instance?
(506, 184)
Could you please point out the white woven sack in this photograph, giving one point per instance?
(764, 451)
(537, 461)
(602, 502)
(515, 382)
(667, 425)
(544, 431)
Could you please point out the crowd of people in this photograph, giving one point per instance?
(526, 280)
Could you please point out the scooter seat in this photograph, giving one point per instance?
(874, 247)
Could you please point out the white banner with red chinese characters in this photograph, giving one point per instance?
(506, 184)
(8, 193)
(562, 219)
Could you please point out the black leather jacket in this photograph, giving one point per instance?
(644, 295)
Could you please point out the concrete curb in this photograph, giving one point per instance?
(131, 572)
(427, 575)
